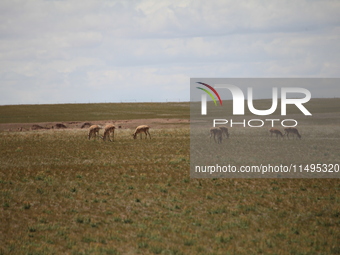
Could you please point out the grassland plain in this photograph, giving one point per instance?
(63, 194)
(93, 112)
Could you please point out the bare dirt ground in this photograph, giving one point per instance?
(123, 124)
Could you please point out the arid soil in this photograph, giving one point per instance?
(123, 124)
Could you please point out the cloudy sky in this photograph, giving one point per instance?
(71, 51)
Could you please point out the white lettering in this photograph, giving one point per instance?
(289, 120)
(297, 101)
(272, 120)
(262, 123)
(219, 122)
(238, 97)
(238, 100)
(255, 122)
(262, 112)
(238, 123)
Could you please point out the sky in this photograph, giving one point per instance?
(90, 51)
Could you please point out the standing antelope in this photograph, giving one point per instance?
(224, 131)
(107, 131)
(141, 129)
(94, 131)
(216, 132)
(292, 130)
(275, 131)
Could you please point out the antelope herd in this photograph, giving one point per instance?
(110, 129)
(287, 131)
(218, 132)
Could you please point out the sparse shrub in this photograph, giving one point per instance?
(27, 205)
(189, 243)
(143, 245)
(156, 249)
(80, 220)
(32, 229)
(88, 240)
(40, 191)
(127, 221)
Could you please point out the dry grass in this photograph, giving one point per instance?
(63, 194)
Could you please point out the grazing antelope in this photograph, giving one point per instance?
(215, 131)
(141, 129)
(94, 131)
(292, 130)
(275, 131)
(107, 131)
(224, 131)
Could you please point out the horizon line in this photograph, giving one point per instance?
(149, 102)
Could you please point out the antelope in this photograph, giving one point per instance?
(94, 131)
(225, 131)
(142, 129)
(216, 132)
(108, 130)
(292, 130)
(275, 131)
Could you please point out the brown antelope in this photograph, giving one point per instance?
(142, 129)
(94, 131)
(225, 131)
(215, 131)
(108, 130)
(275, 131)
(291, 130)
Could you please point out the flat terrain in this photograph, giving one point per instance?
(92, 112)
(73, 116)
(61, 193)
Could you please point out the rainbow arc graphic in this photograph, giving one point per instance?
(209, 93)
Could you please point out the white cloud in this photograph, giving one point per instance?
(56, 46)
